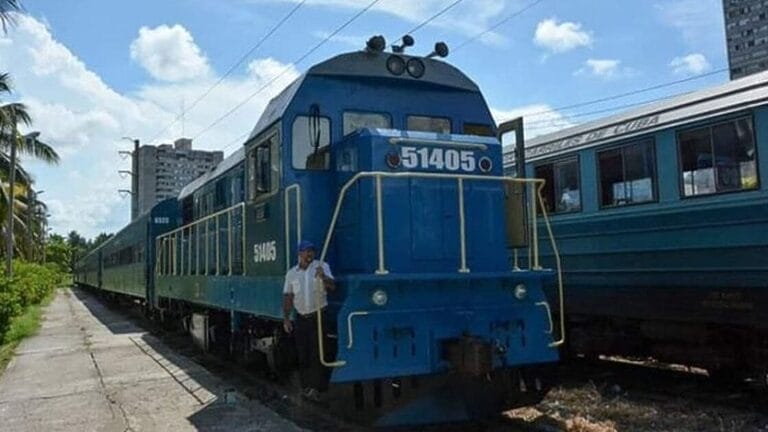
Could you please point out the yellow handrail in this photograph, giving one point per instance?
(172, 237)
(533, 249)
(556, 253)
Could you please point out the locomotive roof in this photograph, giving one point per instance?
(369, 65)
(353, 64)
(730, 97)
(221, 168)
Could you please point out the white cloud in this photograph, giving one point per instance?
(605, 69)
(267, 68)
(561, 37)
(169, 53)
(84, 119)
(692, 64)
(538, 119)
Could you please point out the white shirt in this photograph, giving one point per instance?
(301, 283)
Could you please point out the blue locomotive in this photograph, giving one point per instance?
(661, 215)
(391, 163)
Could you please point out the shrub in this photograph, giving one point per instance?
(30, 284)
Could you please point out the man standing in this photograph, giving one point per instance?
(300, 292)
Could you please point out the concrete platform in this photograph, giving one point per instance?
(91, 369)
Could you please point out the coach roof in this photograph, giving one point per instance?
(220, 169)
(695, 106)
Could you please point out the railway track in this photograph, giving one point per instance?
(593, 395)
(643, 378)
(648, 396)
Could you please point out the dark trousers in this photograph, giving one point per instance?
(311, 372)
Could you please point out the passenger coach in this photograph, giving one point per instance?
(661, 215)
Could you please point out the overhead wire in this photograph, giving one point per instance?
(430, 19)
(590, 102)
(541, 124)
(553, 122)
(232, 68)
(629, 93)
(495, 26)
(285, 70)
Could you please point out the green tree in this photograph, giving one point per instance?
(59, 252)
(99, 240)
(14, 181)
(78, 246)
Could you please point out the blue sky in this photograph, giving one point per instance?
(93, 71)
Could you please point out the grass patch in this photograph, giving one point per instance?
(21, 327)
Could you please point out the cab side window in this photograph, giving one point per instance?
(311, 136)
(263, 167)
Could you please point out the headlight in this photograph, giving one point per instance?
(521, 292)
(395, 65)
(379, 297)
(415, 68)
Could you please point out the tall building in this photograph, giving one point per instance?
(165, 169)
(746, 32)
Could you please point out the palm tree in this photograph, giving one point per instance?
(7, 7)
(11, 115)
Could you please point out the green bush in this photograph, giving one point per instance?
(30, 284)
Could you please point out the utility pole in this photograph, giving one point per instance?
(134, 172)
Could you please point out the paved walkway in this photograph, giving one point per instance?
(90, 369)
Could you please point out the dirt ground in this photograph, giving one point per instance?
(603, 405)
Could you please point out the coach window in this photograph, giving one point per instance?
(263, 167)
(561, 191)
(311, 143)
(719, 158)
(354, 120)
(439, 125)
(627, 174)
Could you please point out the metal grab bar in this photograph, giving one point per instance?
(349, 325)
(320, 333)
(287, 219)
(462, 228)
(545, 305)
